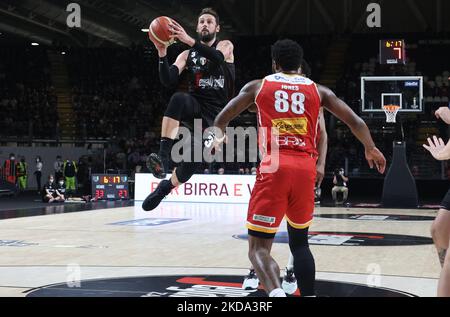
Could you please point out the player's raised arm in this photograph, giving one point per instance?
(237, 105)
(226, 48)
(444, 114)
(358, 127)
(168, 75)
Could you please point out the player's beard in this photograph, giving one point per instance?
(206, 37)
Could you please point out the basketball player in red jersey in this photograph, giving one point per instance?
(288, 110)
(289, 283)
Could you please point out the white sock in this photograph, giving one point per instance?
(277, 292)
(290, 264)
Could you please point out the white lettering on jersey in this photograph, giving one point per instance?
(286, 87)
(212, 82)
(289, 79)
(290, 140)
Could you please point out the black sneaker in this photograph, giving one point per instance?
(155, 166)
(152, 201)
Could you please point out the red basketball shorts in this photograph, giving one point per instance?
(287, 192)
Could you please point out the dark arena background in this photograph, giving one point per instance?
(82, 103)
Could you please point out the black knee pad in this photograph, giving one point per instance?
(304, 264)
(177, 106)
(297, 237)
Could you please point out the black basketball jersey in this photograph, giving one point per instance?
(50, 187)
(212, 84)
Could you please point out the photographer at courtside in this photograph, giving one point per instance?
(340, 182)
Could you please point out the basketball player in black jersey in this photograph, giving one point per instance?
(210, 66)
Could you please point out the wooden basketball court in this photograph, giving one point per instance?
(359, 246)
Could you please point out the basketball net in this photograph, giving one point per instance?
(391, 112)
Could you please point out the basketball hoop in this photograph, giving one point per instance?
(391, 112)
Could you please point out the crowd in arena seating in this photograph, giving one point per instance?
(27, 100)
(116, 92)
(116, 95)
(361, 61)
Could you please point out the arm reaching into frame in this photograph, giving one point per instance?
(322, 149)
(438, 149)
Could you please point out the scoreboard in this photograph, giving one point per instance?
(110, 186)
(392, 52)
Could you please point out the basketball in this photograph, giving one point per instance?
(159, 32)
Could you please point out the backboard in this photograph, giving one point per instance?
(403, 91)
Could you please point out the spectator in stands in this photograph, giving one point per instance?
(133, 159)
(83, 175)
(221, 171)
(340, 185)
(10, 169)
(58, 167)
(70, 171)
(49, 193)
(38, 173)
(61, 189)
(22, 174)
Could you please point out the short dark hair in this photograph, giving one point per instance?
(306, 69)
(287, 54)
(210, 11)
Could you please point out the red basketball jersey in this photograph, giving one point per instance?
(288, 114)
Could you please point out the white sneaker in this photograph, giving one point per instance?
(251, 281)
(289, 283)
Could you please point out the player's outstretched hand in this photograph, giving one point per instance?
(375, 157)
(218, 143)
(435, 147)
(444, 114)
(178, 32)
(215, 140)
